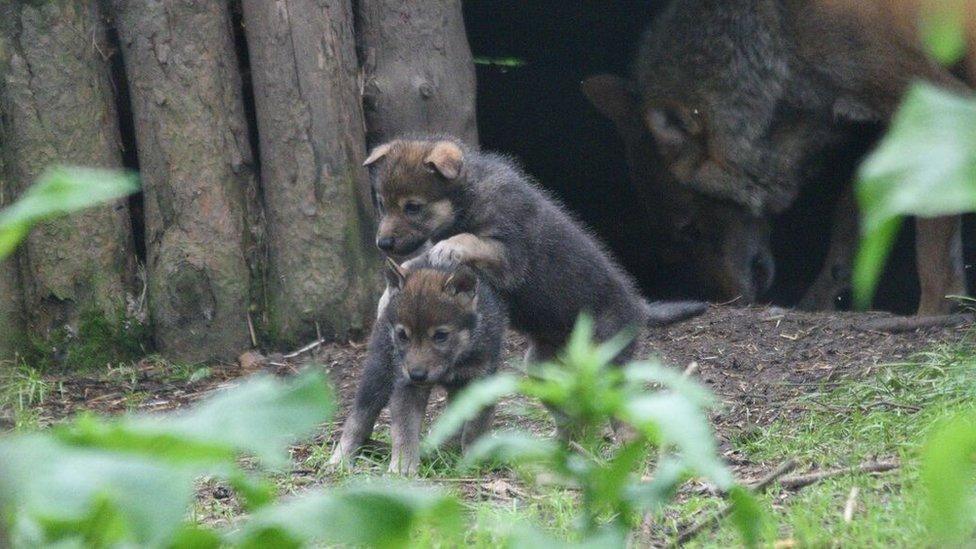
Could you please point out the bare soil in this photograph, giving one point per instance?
(757, 360)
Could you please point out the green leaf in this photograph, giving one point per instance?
(373, 516)
(511, 447)
(262, 416)
(468, 404)
(58, 191)
(679, 422)
(58, 490)
(924, 166)
(944, 30)
(747, 515)
(653, 495)
(653, 372)
(947, 472)
(195, 537)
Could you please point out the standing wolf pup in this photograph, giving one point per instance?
(478, 209)
(441, 327)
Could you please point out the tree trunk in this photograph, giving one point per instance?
(322, 264)
(420, 76)
(11, 305)
(196, 167)
(56, 100)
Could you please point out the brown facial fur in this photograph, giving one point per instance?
(429, 301)
(411, 174)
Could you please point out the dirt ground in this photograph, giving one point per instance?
(757, 360)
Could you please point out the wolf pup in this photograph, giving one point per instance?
(441, 327)
(479, 209)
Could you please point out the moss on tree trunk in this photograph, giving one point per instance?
(419, 73)
(322, 266)
(197, 168)
(57, 105)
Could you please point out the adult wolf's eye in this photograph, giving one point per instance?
(412, 208)
(440, 336)
(401, 333)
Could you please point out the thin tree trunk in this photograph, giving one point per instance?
(196, 169)
(322, 265)
(56, 99)
(419, 72)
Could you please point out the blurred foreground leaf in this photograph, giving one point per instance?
(924, 166)
(58, 191)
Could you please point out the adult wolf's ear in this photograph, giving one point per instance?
(614, 97)
(446, 159)
(395, 277)
(463, 284)
(379, 152)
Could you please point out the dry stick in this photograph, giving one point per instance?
(250, 330)
(789, 483)
(850, 505)
(687, 534)
(901, 324)
(799, 481)
(306, 348)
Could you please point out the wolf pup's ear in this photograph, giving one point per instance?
(379, 152)
(463, 284)
(446, 159)
(395, 276)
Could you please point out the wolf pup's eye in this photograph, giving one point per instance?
(440, 336)
(412, 208)
(401, 334)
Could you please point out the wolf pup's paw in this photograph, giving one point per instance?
(404, 466)
(452, 252)
(338, 459)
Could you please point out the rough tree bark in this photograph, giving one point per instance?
(322, 267)
(11, 305)
(196, 167)
(56, 101)
(419, 74)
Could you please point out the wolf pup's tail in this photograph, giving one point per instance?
(663, 313)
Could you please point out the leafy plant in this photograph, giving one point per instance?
(925, 166)
(926, 163)
(585, 391)
(130, 481)
(948, 471)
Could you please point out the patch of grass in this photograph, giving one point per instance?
(22, 387)
(889, 413)
(179, 372)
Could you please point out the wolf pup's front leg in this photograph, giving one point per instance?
(407, 407)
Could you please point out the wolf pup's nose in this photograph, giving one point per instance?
(385, 243)
(418, 375)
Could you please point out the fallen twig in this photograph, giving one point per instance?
(850, 505)
(311, 346)
(799, 481)
(901, 324)
(686, 534)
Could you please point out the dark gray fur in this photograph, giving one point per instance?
(554, 270)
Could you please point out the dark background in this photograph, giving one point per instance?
(537, 113)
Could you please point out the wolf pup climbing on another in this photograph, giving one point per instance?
(479, 209)
(441, 327)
